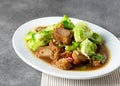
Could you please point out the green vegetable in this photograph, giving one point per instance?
(43, 35)
(98, 57)
(67, 22)
(30, 35)
(41, 38)
(72, 47)
(51, 27)
(81, 32)
(61, 45)
(96, 38)
(88, 48)
(35, 44)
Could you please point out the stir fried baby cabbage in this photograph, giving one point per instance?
(35, 39)
(83, 39)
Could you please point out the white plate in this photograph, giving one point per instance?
(25, 54)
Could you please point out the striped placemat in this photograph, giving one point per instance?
(113, 79)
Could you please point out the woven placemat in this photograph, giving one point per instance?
(112, 79)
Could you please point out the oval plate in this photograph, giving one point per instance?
(25, 54)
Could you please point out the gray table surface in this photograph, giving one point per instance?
(13, 13)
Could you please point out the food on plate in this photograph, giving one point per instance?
(68, 46)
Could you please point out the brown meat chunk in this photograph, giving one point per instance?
(44, 52)
(62, 35)
(78, 58)
(53, 47)
(39, 28)
(96, 63)
(56, 55)
(55, 50)
(66, 54)
(63, 64)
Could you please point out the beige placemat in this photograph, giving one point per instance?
(113, 79)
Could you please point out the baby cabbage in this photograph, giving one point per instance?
(88, 48)
(96, 38)
(67, 22)
(34, 40)
(82, 32)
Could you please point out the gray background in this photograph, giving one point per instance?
(13, 13)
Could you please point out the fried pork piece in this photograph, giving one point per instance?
(39, 28)
(44, 52)
(62, 35)
(55, 51)
(63, 63)
(96, 63)
(53, 47)
(78, 58)
(66, 54)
